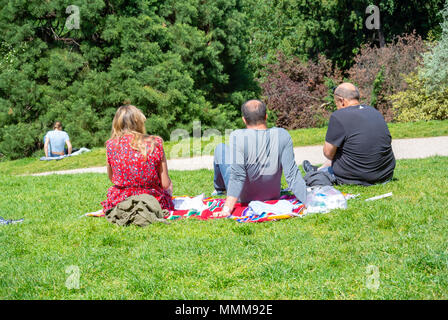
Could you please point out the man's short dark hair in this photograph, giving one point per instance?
(347, 91)
(254, 112)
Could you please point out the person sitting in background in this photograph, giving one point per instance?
(251, 167)
(55, 142)
(136, 162)
(357, 144)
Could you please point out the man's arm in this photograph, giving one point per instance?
(237, 180)
(292, 173)
(236, 183)
(334, 138)
(329, 150)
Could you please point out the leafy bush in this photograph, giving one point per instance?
(185, 60)
(426, 95)
(18, 140)
(378, 72)
(333, 28)
(298, 91)
(435, 71)
(417, 103)
(178, 61)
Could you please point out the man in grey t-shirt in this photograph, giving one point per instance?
(358, 144)
(250, 167)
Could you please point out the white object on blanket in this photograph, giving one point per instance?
(324, 199)
(380, 197)
(82, 150)
(187, 203)
(281, 207)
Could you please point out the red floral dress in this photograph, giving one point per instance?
(132, 174)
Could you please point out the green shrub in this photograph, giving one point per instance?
(299, 91)
(378, 71)
(20, 139)
(417, 103)
(176, 60)
(435, 69)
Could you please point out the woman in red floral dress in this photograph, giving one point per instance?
(136, 162)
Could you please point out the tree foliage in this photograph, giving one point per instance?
(426, 94)
(378, 72)
(435, 71)
(180, 60)
(176, 60)
(299, 91)
(417, 103)
(334, 28)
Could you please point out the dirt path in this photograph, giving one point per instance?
(403, 149)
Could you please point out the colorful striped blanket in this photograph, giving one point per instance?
(241, 213)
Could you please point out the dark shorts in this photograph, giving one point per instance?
(326, 177)
(323, 177)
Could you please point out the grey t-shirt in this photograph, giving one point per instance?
(364, 155)
(257, 159)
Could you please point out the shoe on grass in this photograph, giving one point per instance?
(308, 167)
(218, 193)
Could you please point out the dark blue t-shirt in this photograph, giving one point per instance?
(364, 155)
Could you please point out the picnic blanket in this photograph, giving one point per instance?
(204, 209)
(242, 212)
(287, 206)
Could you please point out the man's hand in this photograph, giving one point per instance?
(227, 209)
(222, 212)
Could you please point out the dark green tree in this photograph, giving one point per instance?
(335, 28)
(176, 60)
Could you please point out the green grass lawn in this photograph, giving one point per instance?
(318, 257)
(302, 137)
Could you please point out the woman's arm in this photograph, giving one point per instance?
(109, 172)
(69, 146)
(165, 180)
(164, 177)
(47, 141)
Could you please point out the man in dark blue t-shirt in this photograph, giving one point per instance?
(357, 144)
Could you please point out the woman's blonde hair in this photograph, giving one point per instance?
(130, 120)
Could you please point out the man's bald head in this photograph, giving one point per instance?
(347, 91)
(254, 112)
